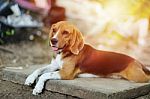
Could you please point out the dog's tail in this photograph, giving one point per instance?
(146, 70)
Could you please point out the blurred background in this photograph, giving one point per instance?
(114, 25)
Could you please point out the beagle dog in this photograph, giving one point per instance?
(76, 59)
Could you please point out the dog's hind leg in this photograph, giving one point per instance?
(134, 72)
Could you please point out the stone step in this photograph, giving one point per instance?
(88, 88)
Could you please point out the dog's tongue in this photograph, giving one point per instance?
(54, 48)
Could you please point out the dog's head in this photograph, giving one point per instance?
(64, 35)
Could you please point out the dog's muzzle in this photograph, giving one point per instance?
(54, 41)
(57, 49)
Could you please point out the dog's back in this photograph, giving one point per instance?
(103, 62)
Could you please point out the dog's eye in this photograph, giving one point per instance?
(54, 30)
(65, 32)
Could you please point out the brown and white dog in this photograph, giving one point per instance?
(77, 59)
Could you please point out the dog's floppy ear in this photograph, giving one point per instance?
(77, 42)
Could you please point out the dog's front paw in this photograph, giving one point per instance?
(30, 80)
(36, 91)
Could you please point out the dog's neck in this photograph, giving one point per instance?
(67, 54)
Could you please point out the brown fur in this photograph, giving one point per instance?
(82, 58)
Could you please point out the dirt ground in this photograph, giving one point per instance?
(21, 54)
(24, 53)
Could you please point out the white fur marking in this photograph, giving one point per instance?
(31, 78)
(87, 75)
(147, 67)
(55, 36)
(55, 64)
(58, 61)
(44, 77)
(115, 76)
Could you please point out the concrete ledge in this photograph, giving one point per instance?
(89, 88)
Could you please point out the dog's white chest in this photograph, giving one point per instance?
(57, 61)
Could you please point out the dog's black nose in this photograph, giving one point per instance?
(54, 41)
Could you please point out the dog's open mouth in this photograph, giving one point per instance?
(54, 48)
(57, 49)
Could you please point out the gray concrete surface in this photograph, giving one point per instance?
(89, 88)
